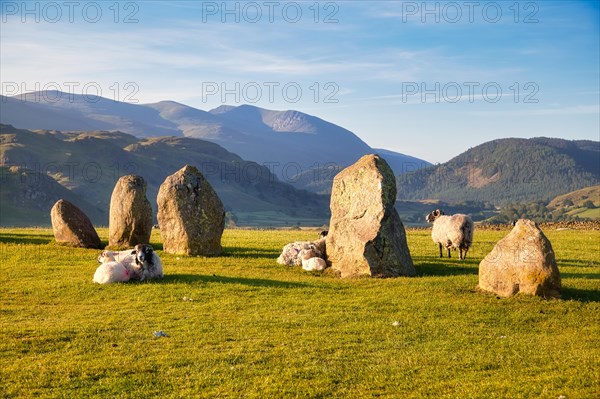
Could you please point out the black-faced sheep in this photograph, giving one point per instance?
(451, 232)
(148, 261)
(141, 262)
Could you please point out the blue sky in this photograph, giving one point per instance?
(428, 79)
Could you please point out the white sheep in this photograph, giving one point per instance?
(127, 258)
(111, 272)
(300, 252)
(314, 264)
(451, 232)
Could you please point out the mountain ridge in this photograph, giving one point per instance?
(507, 170)
(290, 142)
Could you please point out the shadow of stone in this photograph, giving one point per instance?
(590, 276)
(580, 295)
(19, 238)
(444, 269)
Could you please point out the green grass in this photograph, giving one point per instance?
(585, 213)
(256, 329)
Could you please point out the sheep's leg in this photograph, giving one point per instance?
(441, 253)
(449, 253)
(460, 253)
(465, 255)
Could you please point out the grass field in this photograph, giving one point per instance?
(254, 329)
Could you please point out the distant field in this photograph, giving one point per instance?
(585, 213)
(255, 329)
(275, 219)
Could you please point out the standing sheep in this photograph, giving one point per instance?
(451, 231)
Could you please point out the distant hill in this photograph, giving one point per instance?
(583, 204)
(577, 198)
(84, 167)
(55, 110)
(290, 143)
(507, 171)
(319, 179)
(27, 196)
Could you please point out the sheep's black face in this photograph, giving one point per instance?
(433, 215)
(143, 253)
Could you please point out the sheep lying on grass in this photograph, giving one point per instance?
(111, 272)
(127, 258)
(148, 261)
(451, 232)
(314, 263)
(141, 262)
(308, 254)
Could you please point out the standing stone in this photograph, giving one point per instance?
(523, 261)
(130, 221)
(190, 214)
(71, 226)
(366, 235)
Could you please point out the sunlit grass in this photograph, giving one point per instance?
(255, 329)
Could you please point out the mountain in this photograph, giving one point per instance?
(507, 171)
(290, 143)
(83, 167)
(55, 110)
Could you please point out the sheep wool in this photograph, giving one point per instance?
(127, 258)
(314, 264)
(111, 272)
(293, 253)
(451, 232)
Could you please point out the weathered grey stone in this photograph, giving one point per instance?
(366, 235)
(523, 261)
(190, 214)
(130, 221)
(71, 226)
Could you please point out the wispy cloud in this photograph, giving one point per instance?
(570, 110)
(370, 53)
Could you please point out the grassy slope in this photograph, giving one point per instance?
(578, 197)
(259, 330)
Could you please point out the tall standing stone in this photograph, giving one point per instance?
(190, 214)
(366, 235)
(71, 226)
(523, 261)
(130, 221)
